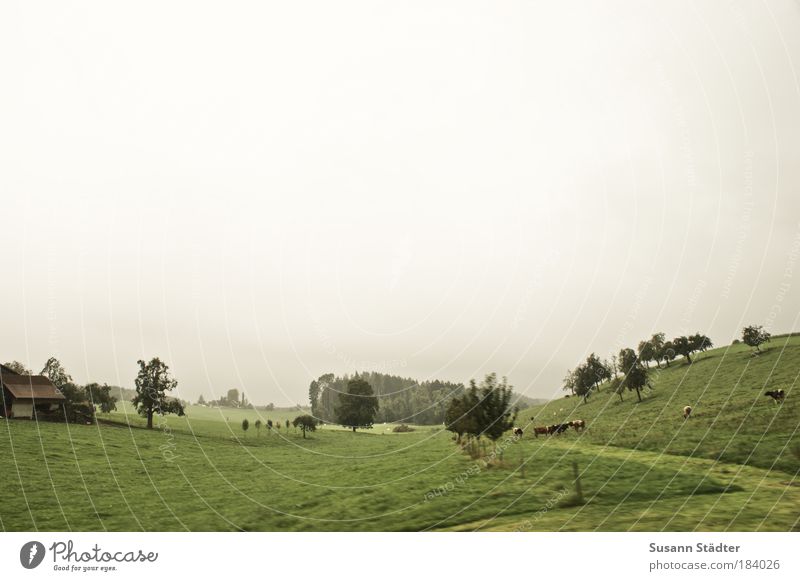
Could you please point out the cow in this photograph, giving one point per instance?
(686, 411)
(517, 432)
(557, 429)
(579, 425)
(778, 395)
(540, 430)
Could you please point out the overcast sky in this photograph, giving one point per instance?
(262, 192)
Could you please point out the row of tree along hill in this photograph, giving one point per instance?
(402, 399)
(629, 370)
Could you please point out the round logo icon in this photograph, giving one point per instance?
(31, 554)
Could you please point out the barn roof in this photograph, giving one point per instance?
(30, 387)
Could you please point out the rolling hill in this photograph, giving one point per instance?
(732, 466)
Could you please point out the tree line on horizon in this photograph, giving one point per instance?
(401, 398)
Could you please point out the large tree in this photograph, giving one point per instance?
(356, 408)
(647, 351)
(306, 423)
(684, 346)
(56, 373)
(701, 342)
(100, 395)
(755, 335)
(569, 381)
(455, 417)
(668, 353)
(315, 390)
(634, 374)
(584, 380)
(658, 344)
(496, 413)
(76, 407)
(152, 385)
(596, 370)
(18, 367)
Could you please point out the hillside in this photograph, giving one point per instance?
(731, 421)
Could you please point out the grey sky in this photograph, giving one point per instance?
(261, 192)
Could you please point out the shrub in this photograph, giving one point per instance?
(402, 428)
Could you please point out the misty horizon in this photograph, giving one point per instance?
(288, 192)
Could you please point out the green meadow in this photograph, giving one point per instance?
(732, 465)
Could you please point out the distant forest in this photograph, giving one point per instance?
(400, 399)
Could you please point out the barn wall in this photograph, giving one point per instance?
(22, 410)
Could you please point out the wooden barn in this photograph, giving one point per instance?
(25, 395)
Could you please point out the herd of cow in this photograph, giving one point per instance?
(554, 429)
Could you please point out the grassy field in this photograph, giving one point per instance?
(223, 422)
(642, 467)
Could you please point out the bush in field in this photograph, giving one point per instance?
(402, 428)
(245, 426)
(258, 428)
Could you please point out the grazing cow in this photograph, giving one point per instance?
(579, 425)
(518, 432)
(778, 395)
(540, 430)
(557, 429)
(686, 411)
